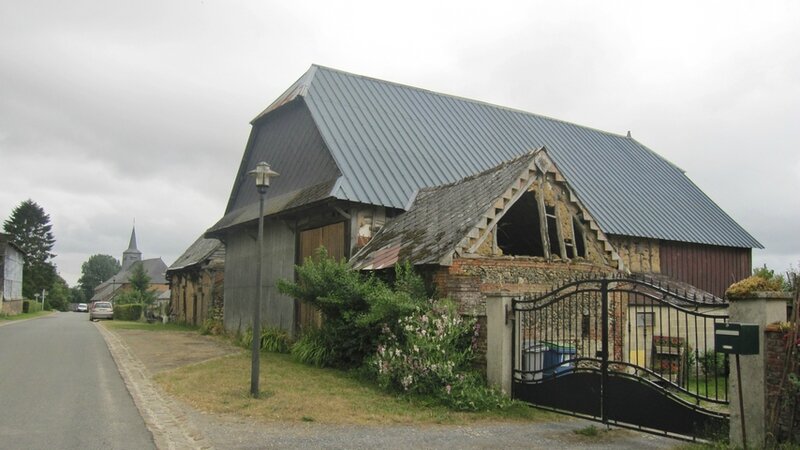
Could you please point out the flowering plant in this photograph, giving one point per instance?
(432, 355)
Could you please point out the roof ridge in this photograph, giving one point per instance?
(466, 99)
(501, 165)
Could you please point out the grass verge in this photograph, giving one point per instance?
(295, 392)
(25, 316)
(129, 325)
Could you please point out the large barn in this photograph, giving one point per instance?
(485, 200)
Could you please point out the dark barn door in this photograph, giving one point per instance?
(623, 351)
(332, 237)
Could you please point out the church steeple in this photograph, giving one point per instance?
(132, 254)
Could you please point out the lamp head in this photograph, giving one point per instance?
(262, 174)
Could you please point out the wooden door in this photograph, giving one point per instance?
(332, 238)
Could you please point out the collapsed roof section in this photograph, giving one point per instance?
(457, 218)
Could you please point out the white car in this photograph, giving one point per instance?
(102, 310)
(82, 307)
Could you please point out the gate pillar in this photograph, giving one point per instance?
(760, 308)
(498, 342)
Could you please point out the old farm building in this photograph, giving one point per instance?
(601, 253)
(196, 282)
(488, 200)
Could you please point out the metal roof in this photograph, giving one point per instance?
(389, 140)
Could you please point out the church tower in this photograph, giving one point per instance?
(132, 254)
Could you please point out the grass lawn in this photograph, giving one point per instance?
(295, 392)
(25, 316)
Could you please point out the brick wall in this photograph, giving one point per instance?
(786, 427)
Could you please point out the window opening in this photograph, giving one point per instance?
(552, 231)
(518, 231)
(577, 232)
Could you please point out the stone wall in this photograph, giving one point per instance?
(11, 307)
(470, 282)
(786, 421)
(638, 254)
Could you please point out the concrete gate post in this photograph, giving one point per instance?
(760, 308)
(498, 343)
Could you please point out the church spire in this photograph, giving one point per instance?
(132, 254)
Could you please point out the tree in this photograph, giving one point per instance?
(140, 288)
(32, 233)
(95, 270)
(58, 297)
(76, 295)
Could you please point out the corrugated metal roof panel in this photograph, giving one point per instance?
(389, 140)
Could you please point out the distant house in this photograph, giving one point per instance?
(154, 267)
(196, 281)
(12, 260)
(486, 201)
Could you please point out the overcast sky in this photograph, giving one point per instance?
(115, 111)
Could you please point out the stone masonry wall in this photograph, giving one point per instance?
(787, 426)
(471, 281)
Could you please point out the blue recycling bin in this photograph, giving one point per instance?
(554, 358)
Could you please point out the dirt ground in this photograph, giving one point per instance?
(165, 350)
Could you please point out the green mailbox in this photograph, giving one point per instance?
(736, 338)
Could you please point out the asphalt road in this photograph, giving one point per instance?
(60, 388)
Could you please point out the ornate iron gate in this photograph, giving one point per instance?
(624, 351)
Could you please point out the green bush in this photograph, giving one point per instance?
(313, 349)
(131, 311)
(274, 340)
(212, 326)
(30, 307)
(354, 307)
(712, 363)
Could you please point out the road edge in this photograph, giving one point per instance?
(169, 425)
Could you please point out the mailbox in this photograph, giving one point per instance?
(736, 338)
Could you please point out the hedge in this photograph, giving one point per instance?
(132, 311)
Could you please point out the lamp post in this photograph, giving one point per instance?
(262, 174)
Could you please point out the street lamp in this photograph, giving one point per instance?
(262, 173)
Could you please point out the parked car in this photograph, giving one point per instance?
(82, 307)
(101, 310)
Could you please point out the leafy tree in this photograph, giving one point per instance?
(32, 232)
(76, 295)
(140, 282)
(139, 291)
(95, 270)
(59, 295)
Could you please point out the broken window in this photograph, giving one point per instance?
(552, 229)
(518, 232)
(577, 232)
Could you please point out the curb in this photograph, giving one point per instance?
(170, 427)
